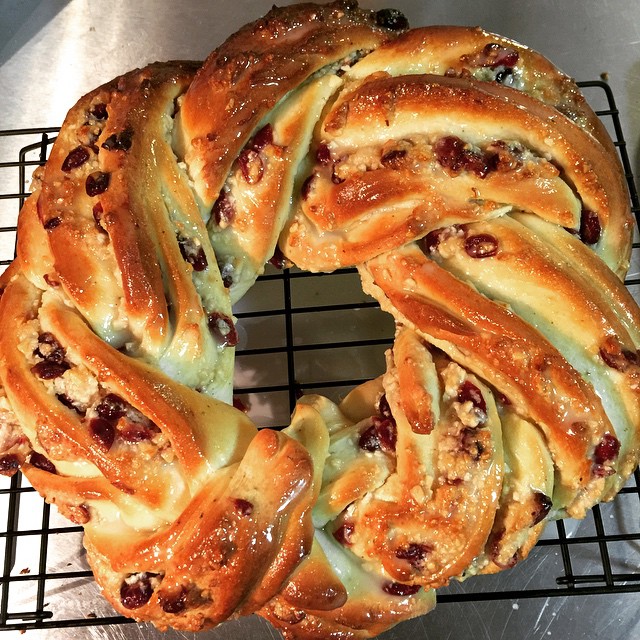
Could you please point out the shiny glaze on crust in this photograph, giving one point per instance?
(247, 75)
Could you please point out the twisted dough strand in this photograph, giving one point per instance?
(483, 204)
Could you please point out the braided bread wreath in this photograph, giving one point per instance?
(483, 204)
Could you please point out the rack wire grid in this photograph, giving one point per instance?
(300, 333)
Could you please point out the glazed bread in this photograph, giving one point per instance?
(483, 204)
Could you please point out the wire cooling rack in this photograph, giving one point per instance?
(299, 333)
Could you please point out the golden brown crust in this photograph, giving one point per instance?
(433, 516)
(458, 51)
(534, 159)
(253, 205)
(245, 122)
(493, 342)
(76, 221)
(32, 247)
(126, 235)
(247, 75)
(220, 553)
(63, 433)
(585, 318)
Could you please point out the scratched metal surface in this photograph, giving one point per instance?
(53, 51)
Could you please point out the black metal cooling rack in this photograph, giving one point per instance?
(291, 324)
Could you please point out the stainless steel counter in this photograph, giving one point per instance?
(53, 51)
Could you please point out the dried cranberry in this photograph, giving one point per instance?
(68, 402)
(48, 370)
(41, 462)
(495, 55)
(103, 432)
(99, 111)
(9, 464)
(50, 279)
(134, 432)
(502, 75)
(470, 443)
(47, 338)
(98, 211)
(454, 154)
(226, 273)
(278, 259)
(369, 440)
(251, 166)
(510, 563)
(76, 158)
(468, 392)
(240, 405)
(97, 183)
(384, 409)
(242, 507)
(607, 449)
(307, 187)
(193, 253)
(393, 159)
(262, 138)
(617, 358)
(52, 223)
(415, 554)
(119, 141)
(481, 245)
(493, 546)
(222, 328)
(391, 19)
(602, 471)
(400, 589)
(430, 242)
(112, 407)
(380, 436)
(614, 360)
(137, 593)
(175, 603)
(223, 210)
(590, 229)
(49, 348)
(344, 532)
(335, 178)
(323, 154)
(482, 164)
(449, 152)
(387, 433)
(543, 504)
